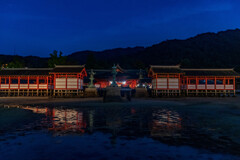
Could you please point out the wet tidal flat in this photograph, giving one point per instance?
(141, 129)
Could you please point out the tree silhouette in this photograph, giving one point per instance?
(56, 59)
(91, 61)
(16, 63)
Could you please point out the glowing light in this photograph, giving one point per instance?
(124, 82)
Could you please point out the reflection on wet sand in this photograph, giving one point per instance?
(123, 125)
(165, 123)
(118, 121)
(61, 119)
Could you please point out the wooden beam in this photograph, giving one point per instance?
(234, 86)
(9, 82)
(54, 81)
(19, 79)
(196, 85)
(206, 85)
(156, 82)
(37, 82)
(215, 85)
(66, 80)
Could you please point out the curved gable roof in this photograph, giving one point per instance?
(68, 69)
(210, 72)
(165, 69)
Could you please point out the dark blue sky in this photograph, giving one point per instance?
(37, 27)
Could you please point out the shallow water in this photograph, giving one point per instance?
(119, 132)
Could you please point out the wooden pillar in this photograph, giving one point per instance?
(28, 87)
(9, 82)
(224, 83)
(37, 85)
(156, 86)
(227, 91)
(215, 85)
(78, 81)
(66, 85)
(187, 85)
(54, 84)
(19, 85)
(0, 82)
(0, 85)
(47, 86)
(179, 83)
(206, 85)
(168, 85)
(5, 83)
(234, 89)
(54, 81)
(196, 86)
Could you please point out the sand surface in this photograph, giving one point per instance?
(181, 128)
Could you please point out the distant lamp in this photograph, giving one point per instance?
(124, 82)
(114, 73)
(91, 84)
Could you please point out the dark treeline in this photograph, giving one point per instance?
(208, 50)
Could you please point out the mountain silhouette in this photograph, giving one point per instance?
(207, 50)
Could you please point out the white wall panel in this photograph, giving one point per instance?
(191, 86)
(162, 80)
(42, 86)
(32, 86)
(13, 86)
(162, 87)
(4, 86)
(23, 86)
(212, 86)
(201, 86)
(60, 83)
(228, 86)
(173, 80)
(173, 84)
(163, 83)
(159, 84)
(173, 87)
(72, 83)
(219, 86)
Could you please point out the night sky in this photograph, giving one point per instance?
(37, 27)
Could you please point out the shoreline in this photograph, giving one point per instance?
(209, 123)
(57, 101)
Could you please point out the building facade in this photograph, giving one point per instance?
(173, 80)
(58, 81)
(71, 80)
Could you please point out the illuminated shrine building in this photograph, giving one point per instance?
(25, 81)
(125, 78)
(209, 81)
(68, 79)
(173, 80)
(61, 80)
(166, 80)
(71, 80)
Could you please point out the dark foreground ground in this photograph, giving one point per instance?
(174, 128)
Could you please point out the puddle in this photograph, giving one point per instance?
(112, 133)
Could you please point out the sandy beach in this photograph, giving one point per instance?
(209, 125)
